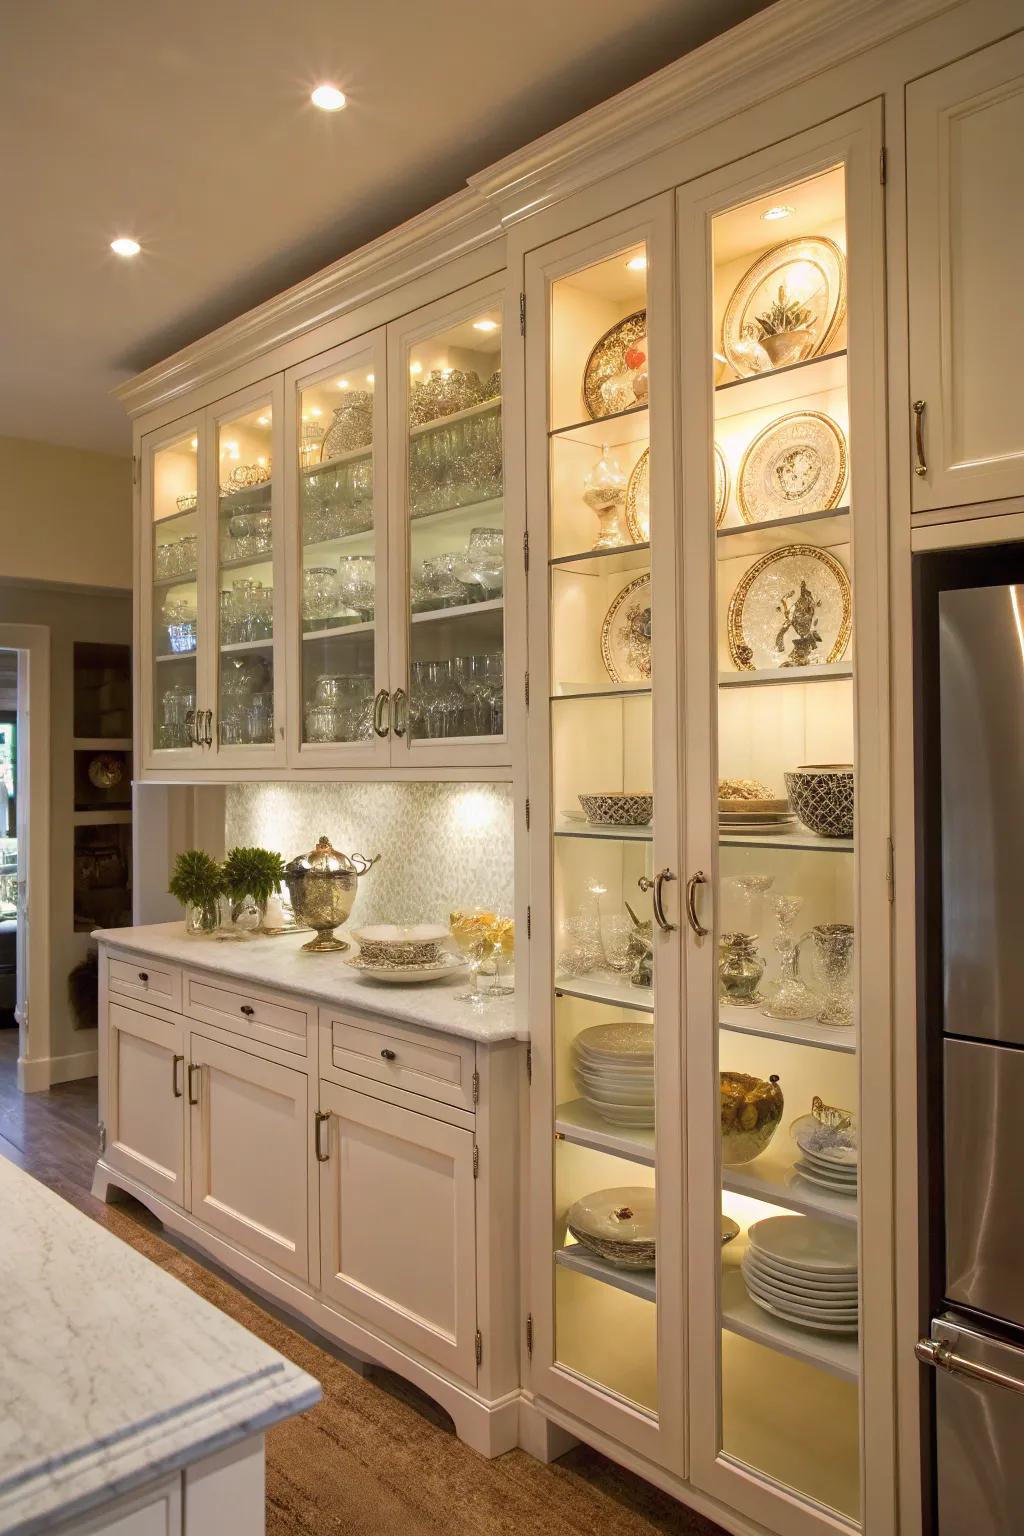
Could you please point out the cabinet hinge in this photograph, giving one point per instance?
(529, 1063)
(527, 813)
(529, 1333)
(476, 1087)
(881, 165)
(526, 551)
(101, 1136)
(890, 869)
(526, 688)
(479, 1347)
(476, 1161)
(135, 469)
(529, 923)
(522, 314)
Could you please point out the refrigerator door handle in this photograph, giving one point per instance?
(943, 1356)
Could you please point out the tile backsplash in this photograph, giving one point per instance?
(441, 845)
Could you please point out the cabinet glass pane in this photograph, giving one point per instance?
(601, 741)
(787, 1037)
(338, 544)
(175, 485)
(245, 546)
(456, 533)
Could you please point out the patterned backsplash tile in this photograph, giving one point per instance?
(441, 845)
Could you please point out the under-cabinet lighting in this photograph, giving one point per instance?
(124, 245)
(485, 325)
(343, 383)
(780, 211)
(369, 378)
(637, 263)
(415, 367)
(328, 98)
(263, 421)
(315, 410)
(194, 443)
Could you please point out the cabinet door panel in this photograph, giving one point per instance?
(145, 1101)
(399, 1225)
(249, 1142)
(965, 203)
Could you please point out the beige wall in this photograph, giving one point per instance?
(65, 515)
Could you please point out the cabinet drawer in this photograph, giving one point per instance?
(145, 979)
(436, 1066)
(260, 1016)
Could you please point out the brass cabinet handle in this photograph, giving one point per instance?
(656, 887)
(920, 467)
(144, 977)
(381, 703)
(175, 1063)
(700, 878)
(319, 1116)
(192, 1067)
(191, 725)
(388, 1055)
(401, 720)
(245, 1008)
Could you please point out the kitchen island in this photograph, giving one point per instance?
(127, 1402)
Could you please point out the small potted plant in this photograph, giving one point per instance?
(785, 330)
(251, 877)
(198, 883)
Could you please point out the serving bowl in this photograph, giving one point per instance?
(617, 1225)
(401, 943)
(751, 1109)
(618, 808)
(821, 794)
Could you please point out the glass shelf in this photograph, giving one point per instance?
(790, 374)
(482, 408)
(336, 631)
(567, 826)
(577, 1123)
(796, 841)
(460, 611)
(750, 1021)
(613, 691)
(601, 989)
(599, 423)
(749, 540)
(636, 1282)
(827, 671)
(236, 647)
(772, 1178)
(605, 562)
(838, 1354)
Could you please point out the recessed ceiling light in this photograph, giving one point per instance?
(485, 325)
(780, 211)
(415, 367)
(343, 383)
(195, 442)
(315, 410)
(328, 98)
(263, 421)
(125, 246)
(369, 378)
(637, 263)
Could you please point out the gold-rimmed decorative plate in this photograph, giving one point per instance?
(721, 486)
(638, 500)
(795, 465)
(607, 382)
(804, 279)
(626, 633)
(792, 608)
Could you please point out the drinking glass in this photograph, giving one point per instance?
(319, 592)
(356, 584)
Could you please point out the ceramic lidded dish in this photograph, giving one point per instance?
(617, 1225)
(322, 888)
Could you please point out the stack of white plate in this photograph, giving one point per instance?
(804, 1271)
(613, 1065)
(828, 1154)
(755, 816)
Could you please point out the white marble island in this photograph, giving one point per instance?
(119, 1385)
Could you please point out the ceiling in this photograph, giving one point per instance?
(189, 127)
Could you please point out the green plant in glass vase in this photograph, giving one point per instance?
(786, 329)
(251, 876)
(197, 881)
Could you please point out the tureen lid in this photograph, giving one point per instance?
(322, 860)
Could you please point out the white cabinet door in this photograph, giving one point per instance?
(145, 1103)
(965, 206)
(250, 1152)
(398, 1225)
(154, 1512)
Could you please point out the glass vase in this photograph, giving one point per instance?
(201, 918)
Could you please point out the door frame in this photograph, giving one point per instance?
(32, 643)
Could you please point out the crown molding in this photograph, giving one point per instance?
(751, 62)
(451, 228)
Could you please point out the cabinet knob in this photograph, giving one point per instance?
(247, 1010)
(143, 975)
(388, 1054)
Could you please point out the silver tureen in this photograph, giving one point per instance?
(322, 887)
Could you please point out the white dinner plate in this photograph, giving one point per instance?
(821, 1141)
(625, 1040)
(814, 1176)
(828, 1296)
(806, 1243)
(843, 1169)
(807, 1279)
(842, 1307)
(803, 1322)
(633, 1118)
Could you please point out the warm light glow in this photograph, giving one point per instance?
(343, 383)
(229, 448)
(637, 263)
(262, 459)
(474, 810)
(369, 378)
(328, 98)
(1017, 620)
(445, 372)
(780, 211)
(124, 245)
(315, 410)
(485, 325)
(415, 367)
(263, 421)
(194, 444)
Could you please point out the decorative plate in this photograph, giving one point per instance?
(811, 272)
(721, 486)
(795, 465)
(607, 365)
(792, 608)
(626, 633)
(445, 965)
(617, 1225)
(638, 500)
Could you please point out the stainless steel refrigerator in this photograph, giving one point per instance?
(970, 623)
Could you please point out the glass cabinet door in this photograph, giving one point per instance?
(244, 437)
(173, 627)
(774, 1013)
(610, 1116)
(451, 527)
(343, 711)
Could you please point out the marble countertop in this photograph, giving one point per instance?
(279, 962)
(114, 1373)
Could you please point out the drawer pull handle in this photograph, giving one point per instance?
(920, 462)
(388, 1055)
(144, 976)
(192, 1067)
(245, 1008)
(174, 1076)
(319, 1116)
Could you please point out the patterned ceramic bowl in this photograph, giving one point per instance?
(821, 794)
(397, 944)
(618, 808)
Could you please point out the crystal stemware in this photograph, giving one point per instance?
(790, 998)
(356, 584)
(604, 491)
(833, 948)
(319, 592)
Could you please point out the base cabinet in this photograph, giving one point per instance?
(249, 1129)
(398, 1224)
(145, 1103)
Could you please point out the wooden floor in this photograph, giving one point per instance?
(52, 1135)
